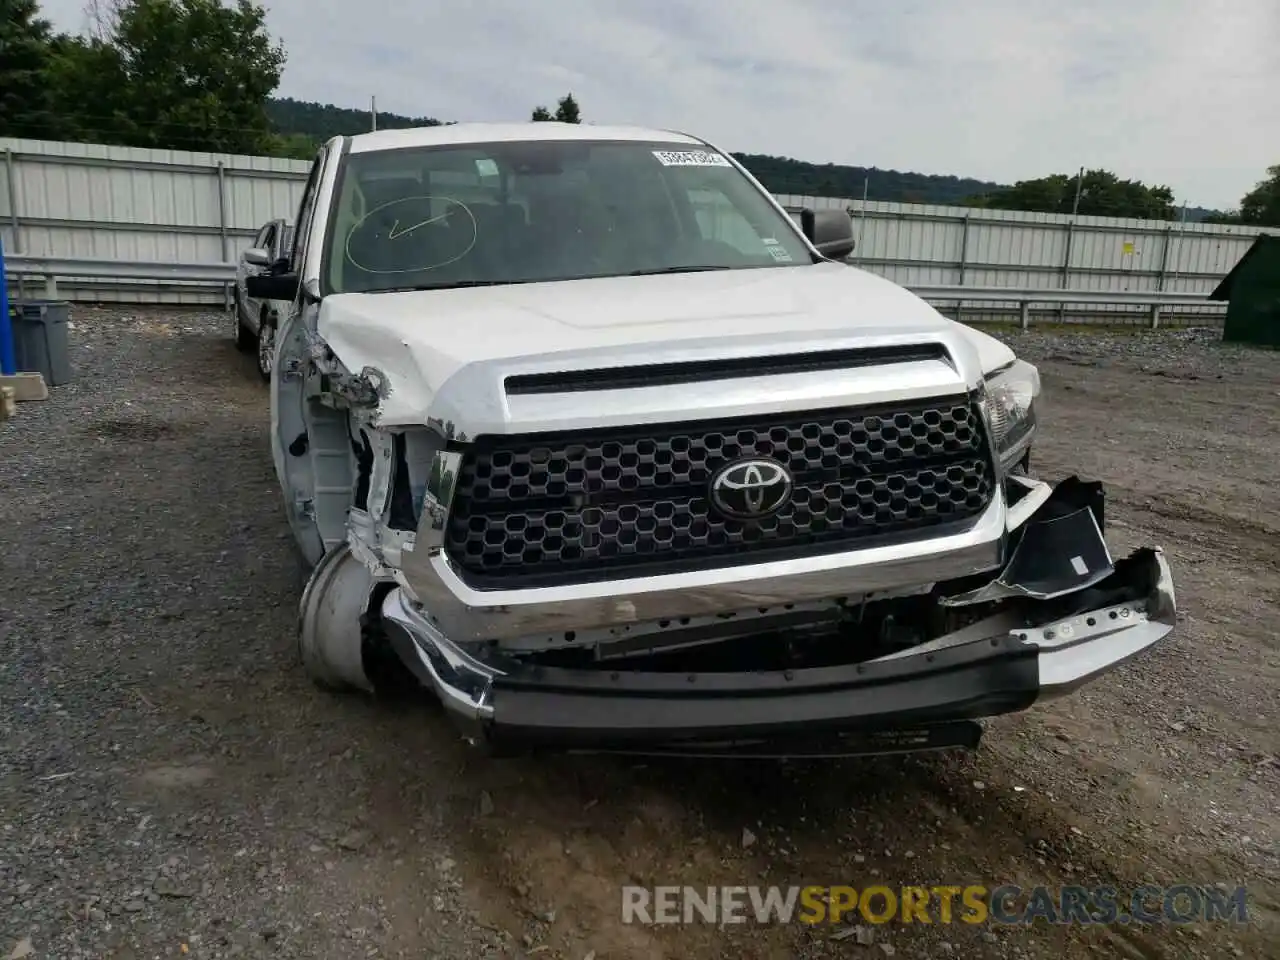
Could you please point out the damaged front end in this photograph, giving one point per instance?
(908, 670)
(883, 649)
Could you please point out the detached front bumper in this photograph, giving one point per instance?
(1046, 637)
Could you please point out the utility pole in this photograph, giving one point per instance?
(1182, 231)
(862, 217)
(1071, 226)
(373, 113)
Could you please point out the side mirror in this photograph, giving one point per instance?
(272, 286)
(257, 257)
(831, 231)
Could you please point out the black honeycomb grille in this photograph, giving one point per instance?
(551, 508)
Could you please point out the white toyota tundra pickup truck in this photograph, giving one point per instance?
(577, 427)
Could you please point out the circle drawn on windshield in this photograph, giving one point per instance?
(393, 236)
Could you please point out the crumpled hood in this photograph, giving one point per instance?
(419, 339)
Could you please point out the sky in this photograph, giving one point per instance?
(1174, 92)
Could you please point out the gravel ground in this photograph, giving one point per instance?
(171, 784)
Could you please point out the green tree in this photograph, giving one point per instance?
(1102, 194)
(295, 146)
(26, 103)
(89, 86)
(567, 110)
(194, 75)
(1261, 205)
(1228, 217)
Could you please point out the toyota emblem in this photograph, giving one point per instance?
(750, 489)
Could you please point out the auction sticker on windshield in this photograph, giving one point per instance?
(690, 158)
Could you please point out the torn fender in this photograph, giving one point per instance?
(390, 379)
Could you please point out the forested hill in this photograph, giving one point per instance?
(318, 122)
(784, 175)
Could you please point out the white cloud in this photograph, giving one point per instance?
(1181, 92)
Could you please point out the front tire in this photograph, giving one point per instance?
(246, 340)
(266, 346)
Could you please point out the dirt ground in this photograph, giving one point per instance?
(172, 785)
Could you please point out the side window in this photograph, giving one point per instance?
(302, 228)
(719, 219)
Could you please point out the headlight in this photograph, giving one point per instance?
(1011, 409)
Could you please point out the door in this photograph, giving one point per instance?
(291, 425)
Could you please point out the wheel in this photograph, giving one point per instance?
(266, 345)
(246, 340)
(330, 622)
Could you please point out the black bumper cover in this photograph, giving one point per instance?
(666, 712)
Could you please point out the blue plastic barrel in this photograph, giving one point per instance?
(8, 364)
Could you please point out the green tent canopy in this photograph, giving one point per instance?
(1252, 292)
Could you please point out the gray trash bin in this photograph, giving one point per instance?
(40, 343)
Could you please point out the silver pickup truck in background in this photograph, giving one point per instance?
(256, 319)
(578, 428)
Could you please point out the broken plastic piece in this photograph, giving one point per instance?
(1061, 550)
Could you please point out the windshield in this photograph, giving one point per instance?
(527, 211)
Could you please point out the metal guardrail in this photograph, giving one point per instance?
(1024, 297)
(1141, 298)
(52, 268)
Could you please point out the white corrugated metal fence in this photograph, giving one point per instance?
(128, 203)
(87, 200)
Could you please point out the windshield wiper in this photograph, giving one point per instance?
(695, 268)
(451, 285)
(461, 284)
